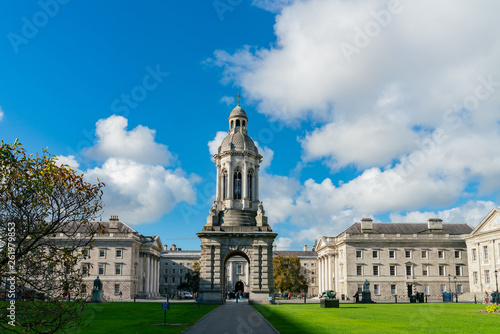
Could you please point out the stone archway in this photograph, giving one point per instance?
(236, 274)
(239, 287)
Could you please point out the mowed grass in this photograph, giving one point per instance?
(380, 318)
(139, 317)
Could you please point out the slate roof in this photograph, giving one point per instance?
(410, 228)
(295, 253)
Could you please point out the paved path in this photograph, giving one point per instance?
(232, 318)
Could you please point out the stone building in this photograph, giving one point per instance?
(483, 248)
(237, 225)
(125, 261)
(397, 259)
(309, 267)
(174, 264)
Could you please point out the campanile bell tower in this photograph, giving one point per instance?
(237, 225)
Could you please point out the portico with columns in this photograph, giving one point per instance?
(149, 268)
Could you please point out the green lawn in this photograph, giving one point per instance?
(139, 317)
(380, 318)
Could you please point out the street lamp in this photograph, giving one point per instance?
(456, 292)
(496, 283)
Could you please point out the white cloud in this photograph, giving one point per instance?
(138, 144)
(213, 145)
(68, 160)
(141, 193)
(274, 6)
(228, 100)
(1, 114)
(283, 244)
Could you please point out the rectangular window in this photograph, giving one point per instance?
(459, 288)
(376, 289)
(425, 270)
(392, 270)
(85, 269)
(312, 280)
(359, 270)
(165, 271)
(173, 271)
(441, 271)
(312, 272)
(375, 270)
(102, 253)
(239, 268)
(443, 288)
(118, 269)
(117, 289)
(457, 254)
(392, 254)
(487, 276)
(474, 274)
(375, 254)
(118, 253)
(360, 287)
(173, 279)
(166, 280)
(426, 289)
(408, 254)
(474, 255)
(102, 269)
(408, 270)
(393, 289)
(440, 254)
(359, 254)
(86, 253)
(424, 254)
(485, 253)
(458, 270)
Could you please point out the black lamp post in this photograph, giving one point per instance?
(456, 292)
(496, 283)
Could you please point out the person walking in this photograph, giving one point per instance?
(237, 296)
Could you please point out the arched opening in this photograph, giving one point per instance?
(232, 124)
(224, 184)
(243, 124)
(236, 276)
(237, 184)
(237, 124)
(250, 185)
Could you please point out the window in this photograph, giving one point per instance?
(474, 255)
(249, 185)
(117, 289)
(180, 264)
(425, 270)
(313, 272)
(118, 253)
(426, 289)
(375, 254)
(443, 288)
(359, 270)
(485, 253)
(375, 270)
(486, 276)
(392, 270)
(358, 254)
(360, 287)
(393, 289)
(459, 288)
(224, 184)
(166, 271)
(392, 254)
(312, 264)
(173, 271)
(305, 264)
(237, 184)
(457, 254)
(102, 253)
(424, 254)
(85, 269)
(408, 270)
(173, 279)
(408, 254)
(180, 271)
(312, 280)
(441, 271)
(474, 274)
(458, 270)
(376, 289)
(101, 269)
(166, 280)
(86, 253)
(118, 269)
(239, 269)
(440, 254)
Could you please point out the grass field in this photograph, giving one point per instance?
(139, 317)
(380, 318)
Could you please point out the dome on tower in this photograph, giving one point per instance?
(238, 112)
(238, 142)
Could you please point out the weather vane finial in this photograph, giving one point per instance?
(238, 96)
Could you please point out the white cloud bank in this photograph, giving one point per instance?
(140, 188)
(407, 92)
(1, 114)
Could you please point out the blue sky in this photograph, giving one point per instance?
(377, 109)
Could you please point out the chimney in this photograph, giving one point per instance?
(435, 224)
(274, 248)
(165, 247)
(313, 247)
(174, 247)
(305, 247)
(113, 218)
(366, 225)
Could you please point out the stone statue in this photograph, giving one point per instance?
(97, 284)
(260, 210)
(213, 209)
(329, 294)
(366, 294)
(366, 286)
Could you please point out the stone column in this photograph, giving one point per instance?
(158, 275)
(146, 280)
(231, 278)
(140, 274)
(329, 272)
(230, 181)
(325, 273)
(319, 274)
(247, 268)
(218, 187)
(336, 272)
(244, 181)
(256, 182)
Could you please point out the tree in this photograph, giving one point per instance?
(47, 215)
(192, 280)
(287, 276)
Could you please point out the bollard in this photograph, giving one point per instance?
(475, 301)
(396, 299)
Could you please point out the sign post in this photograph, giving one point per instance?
(165, 307)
